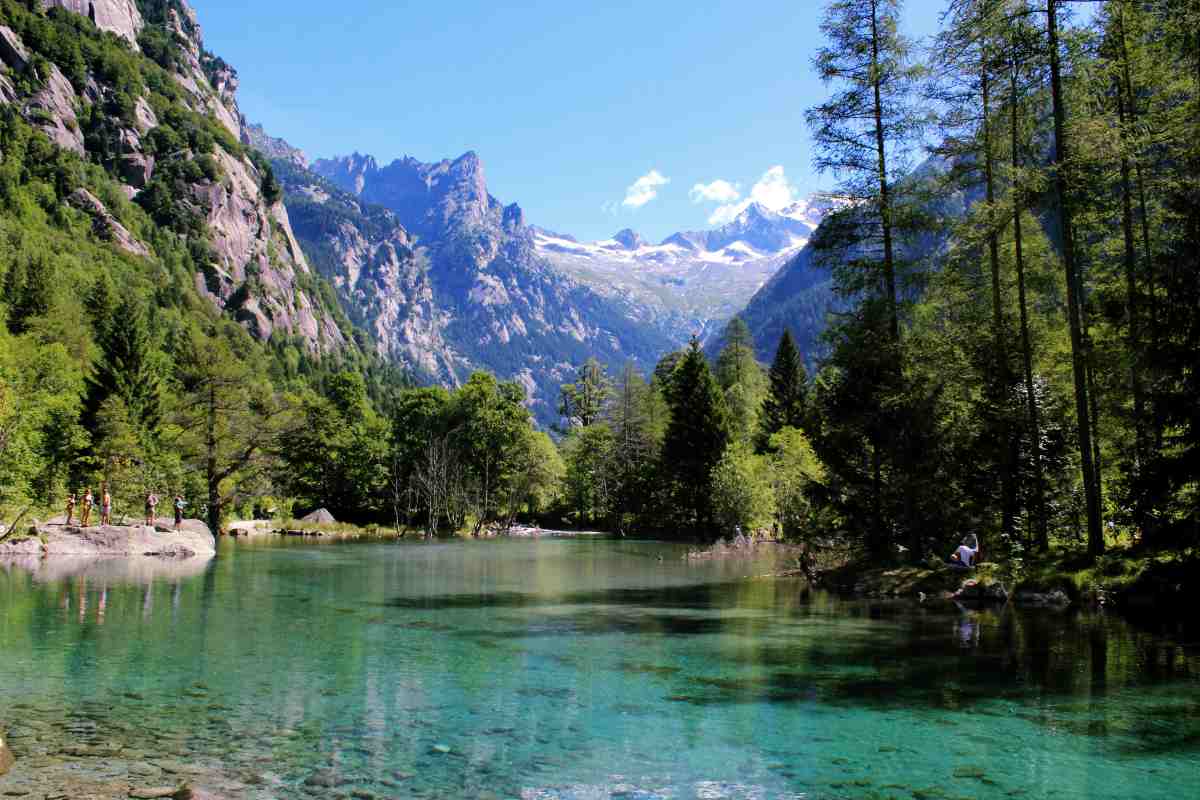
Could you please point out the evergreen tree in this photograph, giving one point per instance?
(127, 368)
(1066, 220)
(695, 441)
(632, 417)
(582, 403)
(786, 403)
(864, 135)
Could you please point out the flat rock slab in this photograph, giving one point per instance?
(194, 539)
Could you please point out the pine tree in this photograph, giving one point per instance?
(126, 369)
(864, 134)
(696, 438)
(786, 404)
(1079, 345)
(582, 403)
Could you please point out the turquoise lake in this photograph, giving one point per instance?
(577, 668)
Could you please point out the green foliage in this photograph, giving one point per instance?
(742, 495)
(695, 441)
(582, 403)
(786, 403)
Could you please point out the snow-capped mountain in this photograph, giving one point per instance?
(692, 281)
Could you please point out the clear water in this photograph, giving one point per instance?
(576, 669)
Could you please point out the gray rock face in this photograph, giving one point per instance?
(12, 50)
(498, 304)
(275, 149)
(105, 225)
(258, 275)
(53, 111)
(369, 257)
(118, 16)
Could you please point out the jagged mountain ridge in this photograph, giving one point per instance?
(692, 281)
(362, 249)
(493, 302)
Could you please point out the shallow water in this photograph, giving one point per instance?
(574, 669)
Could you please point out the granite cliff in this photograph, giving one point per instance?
(129, 87)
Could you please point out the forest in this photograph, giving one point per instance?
(1017, 247)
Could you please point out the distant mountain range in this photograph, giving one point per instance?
(448, 279)
(694, 281)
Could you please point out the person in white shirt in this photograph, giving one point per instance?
(967, 554)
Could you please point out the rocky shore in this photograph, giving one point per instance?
(56, 540)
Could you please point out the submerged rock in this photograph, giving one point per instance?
(7, 759)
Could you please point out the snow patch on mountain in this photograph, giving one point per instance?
(695, 279)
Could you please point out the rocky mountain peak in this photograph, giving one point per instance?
(629, 239)
(272, 147)
(430, 198)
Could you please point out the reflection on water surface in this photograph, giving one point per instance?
(572, 669)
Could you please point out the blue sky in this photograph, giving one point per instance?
(568, 104)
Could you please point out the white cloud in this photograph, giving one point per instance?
(644, 189)
(772, 191)
(718, 191)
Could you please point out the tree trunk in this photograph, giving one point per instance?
(1078, 348)
(1007, 489)
(1131, 291)
(210, 464)
(1041, 535)
(885, 208)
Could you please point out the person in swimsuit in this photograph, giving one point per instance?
(179, 504)
(151, 507)
(88, 501)
(105, 505)
(70, 507)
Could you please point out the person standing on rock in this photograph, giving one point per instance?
(151, 507)
(88, 501)
(70, 507)
(105, 505)
(179, 504)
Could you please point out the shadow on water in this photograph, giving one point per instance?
(691, 596)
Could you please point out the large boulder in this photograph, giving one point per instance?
(319, 517)
(51, 540)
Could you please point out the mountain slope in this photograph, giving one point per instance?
(800, 296)
(368, 256)
(492, 302)
(134, 94)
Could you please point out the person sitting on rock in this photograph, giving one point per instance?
(70, 507)
(89, 500)
(967, 554)
(105, 505)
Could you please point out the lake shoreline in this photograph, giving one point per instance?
(55, 539)
(1130, 582)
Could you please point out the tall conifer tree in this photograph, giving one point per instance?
(696, 438)
(786, 403)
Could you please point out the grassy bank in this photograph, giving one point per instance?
(1129, 578)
